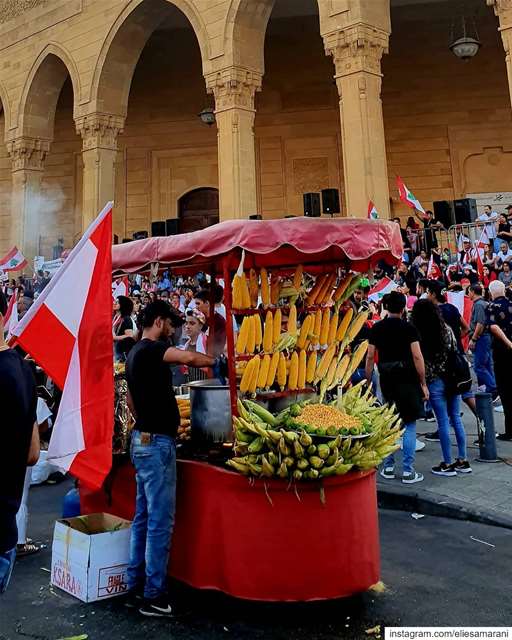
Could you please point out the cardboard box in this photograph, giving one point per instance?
(90, 556)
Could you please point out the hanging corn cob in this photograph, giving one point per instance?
(341, 369)
(356, 326)
(258, 334)
(272, 370)
(305, 330)
(341, 288)
(344, 324)
(275, 288)
(301, 382)
(263, 372)
(281, 371)
(241, 341)
(246, 298)
(253, 288)
(355, 361)
(325, 362)
(268, 332)
(251, 335)
(292, 320)
(324, 327)
(255, 375)
(297, 277)
(245, 382)
(236, 293)
(315, 339)
(293, 376)
(311, 367)
(276, 331)
(313, 294)
(265, 288)
(333, 328)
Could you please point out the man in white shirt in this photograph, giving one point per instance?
(490, 218)
(503, 255)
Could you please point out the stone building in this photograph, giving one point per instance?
(100, 100)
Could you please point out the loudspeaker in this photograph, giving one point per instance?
(115, 239)
(172, 226)
(330, 201)
(256, 216)
(140, 235)
(290, 216)
(465, 210)
(158, 228)
(312, 205)
(444, 213)
(125, 240)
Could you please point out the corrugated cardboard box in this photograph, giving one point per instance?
(90, 556)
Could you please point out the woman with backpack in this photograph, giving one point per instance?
(443, 375)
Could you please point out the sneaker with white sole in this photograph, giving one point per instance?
(411, 477)
(158, 607)
(443, 469)
(388, 473)
(462, 466)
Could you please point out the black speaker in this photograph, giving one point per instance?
(330, 201)
(115, 238)
(140, 235)
(172, 226)
(444, 213)
(465, 210)
(256, 216)
(125, 240)
(312, 205)
(158, 228)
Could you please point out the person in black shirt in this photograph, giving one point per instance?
(402, 377)
(20, 441)
(153, 452)
(123, 328)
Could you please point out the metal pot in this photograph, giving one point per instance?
(210, 412)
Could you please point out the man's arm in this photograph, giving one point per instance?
(419, 365)
(464, 327)
(189, 358)
(35, 447)
(370, 362)
(497, 332)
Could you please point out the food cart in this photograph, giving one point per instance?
(265, 538)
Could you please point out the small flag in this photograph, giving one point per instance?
(120, 288)
(433, 271)
(373, 214)
(407, 196)
(68, 332)
(11, 315)
(383, 286)
(13, 261)
(483, 243)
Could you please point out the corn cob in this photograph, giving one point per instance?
(333, 327)
(268, 341)
(251, 335)
(241, 341)
(258, 334)
(313, 294)
(255, 374)
(276, 332)
(281, 371)
(272, 370)
(342, 287)
(329, 378)
(356, 325)
(245, 382)
(263, 372)
(344, 324)
(340, 371)
(324, 327)
(317, 326)
(311, 367)
(246, 298)
(292, 320)
(275, 288)
(297, 277)
(294, 372)
(237, 292)
(301, 382)
(325, 362)
(325, 291)
(253, 288)
(356, 360)
(265, 289)
(304, 332)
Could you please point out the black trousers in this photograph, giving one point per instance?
(502, 373)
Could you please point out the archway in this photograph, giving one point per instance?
(198, 209)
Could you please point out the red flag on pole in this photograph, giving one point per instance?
(68, 331)
(11, 315)
(433, 271)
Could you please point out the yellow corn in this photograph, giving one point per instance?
(263, 372)
(325, 362)
(258, 333)
(333, 327)
(356, 359)
(357, 325)
(342, 287)
(246, 298)
(293, 377)
(253, 288)
(344, 324)
(237, 293)
(251, 335)
(277, 326)
(325, 291)
(241, 341)
(297, 277)
(281, 371)
(272, 370)
(341, 369)
(311, 367)
(301, 382)
(275, 288)
(245, 382)
(313, 294)
(255, 374)
(317, 326)
(324, 327)
(265, 289)
(329, 378)
(268, 341)
(292, 320)
(305, 330)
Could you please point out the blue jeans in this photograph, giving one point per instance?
(155, 472)
(408, 449)
(6, 567)
(447, 410)
(482, 362)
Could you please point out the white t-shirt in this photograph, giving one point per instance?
(504, 257)
(490, 226)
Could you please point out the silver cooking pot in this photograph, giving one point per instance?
(210, 412)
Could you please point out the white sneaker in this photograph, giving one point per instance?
(499, 409)
(412, 477)
(388, 473)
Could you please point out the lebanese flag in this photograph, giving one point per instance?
(13, 261)
(383, 286)
(120, 288)
(483, 243)
(433, 271)
(68, 332)
(373, 214)
(11, 315)
(479, 266)
(407, 196)
(465, 306)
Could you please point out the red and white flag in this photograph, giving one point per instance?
(13, 261)
(433, 271)
(383, 286)
(68, 331)
(483, 243)
(11, 315)
(407, 196)
(373, 214)
(120, 288)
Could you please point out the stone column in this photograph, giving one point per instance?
(27, 158)
(234, 89)
(503, 9)
(99, 133)
(357, 51)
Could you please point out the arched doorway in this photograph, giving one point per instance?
(198, 209)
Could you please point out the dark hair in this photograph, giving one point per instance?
(125, 305)
(203, 295)
(429, 323)
(476, 289)
(429, 213)
(394, 302)
(159, 309)
(3, 303)
(436, 288)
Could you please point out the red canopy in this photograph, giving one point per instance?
(267, 243)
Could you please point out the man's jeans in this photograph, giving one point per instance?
(155, 468)
(447, 410)
(6, 567)
(482, 363)
(409, 449)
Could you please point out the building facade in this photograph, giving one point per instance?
(100, 100)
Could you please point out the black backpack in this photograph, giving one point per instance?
(458, 374)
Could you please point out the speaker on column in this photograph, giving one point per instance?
(444, 213)
(256, 216)
(465, 210)
(330, 201)
(140, 235)
(172, 226)
(312, 205)
(158, 228)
